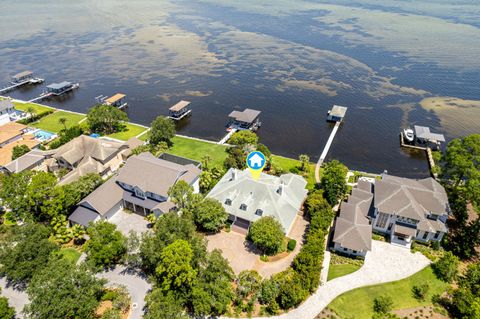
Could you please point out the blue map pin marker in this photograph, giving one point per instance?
(256, 162)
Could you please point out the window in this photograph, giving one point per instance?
(243, 207)
(354, 251)
(382, 220)
(228, 202)
(345, 249)
(425, 235)
(437, 234)
(259, 212)
(139, 193)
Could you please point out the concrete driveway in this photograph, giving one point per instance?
(129, 221)
(242, 255)
(383, 264)
(136, 285)
(16, 298)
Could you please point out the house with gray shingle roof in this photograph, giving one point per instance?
(247, 200)
(140, 186)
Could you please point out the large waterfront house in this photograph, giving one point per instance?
(246, 199)
(140, 186)
(403, 209)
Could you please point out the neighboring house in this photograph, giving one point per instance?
(14, 134)
(404, 209)
(33, 160)
(246, 199)
(7, 110)
(140, 186)
(353, 231)
(408, 209)
(84, 155)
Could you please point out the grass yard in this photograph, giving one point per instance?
(132, 130)
(70, 254)
(195, 150)
(289, 163)
(39, 109)
(50, 122)
(335, 271)
(358, 303)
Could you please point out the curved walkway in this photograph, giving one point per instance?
(383, 264)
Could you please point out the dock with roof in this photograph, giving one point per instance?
(247, 119)
(20, 79)
(179, 110)
(56, 89)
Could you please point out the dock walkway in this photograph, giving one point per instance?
(325, 152)
(227, 137)
(428, 150)
(13, 87)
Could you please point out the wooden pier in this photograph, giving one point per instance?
(325, 151)
(227, 137)
(20, 79)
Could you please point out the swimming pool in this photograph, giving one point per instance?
(43, 136)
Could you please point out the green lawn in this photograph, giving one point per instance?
(358, 303)
(50, 122)
(132, 130)
(195, 150)
(39, 109)
(70, 254)
(335, 271)
(289, 163)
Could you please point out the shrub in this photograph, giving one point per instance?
(446, 268)
(420, 291)
(292, 243)
(35, 117)
(334, 181)
(382, 304)
(66, 136)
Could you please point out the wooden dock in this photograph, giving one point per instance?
(325, 151)
(227, 137)
(13, 87)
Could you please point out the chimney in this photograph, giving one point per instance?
(280, 189)
(234, 174)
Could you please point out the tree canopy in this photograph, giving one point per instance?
(243, 137)
(19, 150)
(267, 235)
(106, 119)
(334, 183)
(210, 215)
(162, 129)
(26, 252)
(6, 312)
(106, 245)
(181, 194)
(61, 290)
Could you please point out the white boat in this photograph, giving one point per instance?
(36, 81)
(409, 135)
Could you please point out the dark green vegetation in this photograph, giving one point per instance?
(210, 215)
(267, 235)
(334, 181)
(19, 150)
(162, 129)
(66, 135)
(106, 119)
(106, 245)
(6, 312)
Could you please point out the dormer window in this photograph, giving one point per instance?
(259, 212)
(243, 207)
(228, 202)
(139, 193)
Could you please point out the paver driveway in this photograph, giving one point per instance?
(129, 221)
(384, 263)
(16, 298)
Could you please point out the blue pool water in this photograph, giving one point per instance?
(43, 135)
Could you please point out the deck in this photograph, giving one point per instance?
(227, 137)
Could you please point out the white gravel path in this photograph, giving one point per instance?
(383, 264)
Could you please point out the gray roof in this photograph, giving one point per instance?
(104, 197)
(155, 175)
(58, 86)
(246, 116)
(352, 227)
(410, 198)
(26, 161)
(22, 75)
(424, 133)
(338, 111)
(6, 105)
(280, 197)
(83, 216)
(180, 105)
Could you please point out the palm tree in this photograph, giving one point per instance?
(305, 159)
(30, 111)
(62, 121)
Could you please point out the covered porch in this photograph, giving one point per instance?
(402, 235)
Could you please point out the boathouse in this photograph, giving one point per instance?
(248, 119)
(59, 88)
(118, 100)
(179, 110)
(337, 113)
(22, 77)
(423, 135)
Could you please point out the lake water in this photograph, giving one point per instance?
(291, 59)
